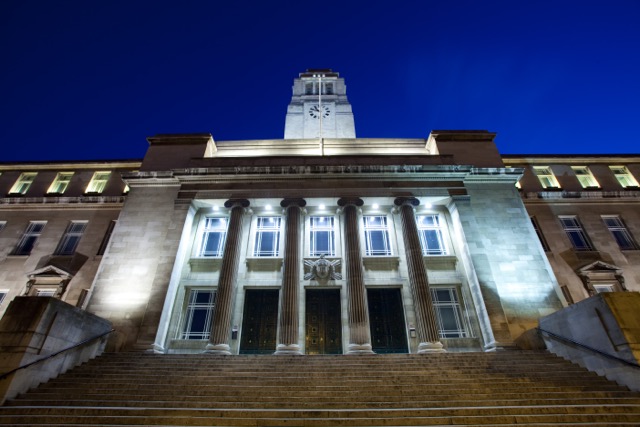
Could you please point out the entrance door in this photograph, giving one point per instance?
(259, 321)
(324, 328)
(386, 317)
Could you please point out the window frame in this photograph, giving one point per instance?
(206, 232)
(62, 179)
(313, 230)
(457, 307)
(260, 231)
(70, 240)
(585, 177)
(190, 308)
(27, 234)
(625, 178)
(546, 173)
(3, 295)
(620, 230)
(576, 230)
(538, 230)
(369, 228)
(23, 183)
(98, 182)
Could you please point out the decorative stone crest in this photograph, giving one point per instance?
(322, 269)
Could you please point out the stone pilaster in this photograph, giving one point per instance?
(289, 331)
(426, 322)
(221, 322)
(359, 330)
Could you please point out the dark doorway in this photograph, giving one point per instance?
(386, 317)
(324, 328)
(259, 321)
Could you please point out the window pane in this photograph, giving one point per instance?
(23, 183)
(620, 233)
(29, 238)
(576, 234)
(448, 312)
(213, 237)
(71, 238)
(197, 319)
(267, 237)
(321, 236)
(376, 236)
(430, 233)
(546, 177)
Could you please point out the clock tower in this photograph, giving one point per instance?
(319, 107)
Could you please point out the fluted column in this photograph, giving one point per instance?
(222, 312)
(426, 322)
(359, 330)
(288, 332)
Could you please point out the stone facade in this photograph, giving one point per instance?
(322, 245)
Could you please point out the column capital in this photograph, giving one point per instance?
(411, 201)
(346, 201)
(299, 202)
(232, 203)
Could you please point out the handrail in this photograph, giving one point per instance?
(49, 356)
(595, 350)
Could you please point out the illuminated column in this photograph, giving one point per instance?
(359, 331)
(289, 331)
(426, 323)
(221, 322)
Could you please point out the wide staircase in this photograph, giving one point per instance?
(453, 389)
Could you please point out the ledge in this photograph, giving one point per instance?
(203, 264)
(381, 262)
(264, 263)
(440, 262)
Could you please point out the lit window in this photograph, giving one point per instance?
(448, 312)
(213, 237)
(98, 182)
(585, 177)
(620, 233)
(29, 238)
(321, 239)
(543, 241)
(376, 235)
(546, 177)
(23, 183)
(267, 236)
(45, 292)
(71, 238)
(60, 184)
(106, 238)
(3, 294)
(623, 176)
(430, 232)
(576, 234)
(602, 288)
(197, 319)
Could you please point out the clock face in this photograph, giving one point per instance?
(316, 110)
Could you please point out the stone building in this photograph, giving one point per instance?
(321, 242)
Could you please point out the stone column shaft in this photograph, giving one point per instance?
(222, 312)
(426, 322)
(359, 329)
(288, 332)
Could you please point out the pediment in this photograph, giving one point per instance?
(49, 271)
(599, 267)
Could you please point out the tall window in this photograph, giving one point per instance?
(546, 177)
(23, 183)
(448, 312)
(430, 232)
(98, 182)
(106, 238)
(536, 227)
(619, 230)
(576, 234)
(29, 238)
(585, 177)
(213, 237)
(321, 239)
(623, 176)
(376, 233)
(197, 319)
(60, 184)
(267, 236)
(71, 238)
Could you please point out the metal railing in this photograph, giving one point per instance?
(594, 350)
(52, 355)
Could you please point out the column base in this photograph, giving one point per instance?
(431, 347)
(288, 349)
(359, 349)
(156, 349)
(218, 349)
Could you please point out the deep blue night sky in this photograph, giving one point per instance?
(92, 79)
